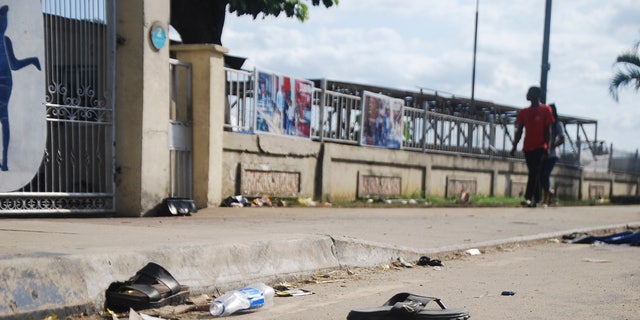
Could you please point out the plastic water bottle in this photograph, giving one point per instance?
(253, 296)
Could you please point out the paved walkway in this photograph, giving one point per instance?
(62, 265)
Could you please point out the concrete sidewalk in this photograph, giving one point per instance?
(65, 265)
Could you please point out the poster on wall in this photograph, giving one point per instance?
(283, 105)
(382, 121)
(22, 92)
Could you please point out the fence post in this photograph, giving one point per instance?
(492, 136)
(425, 110)
(609, 166)
(579, 145)
(323, 98)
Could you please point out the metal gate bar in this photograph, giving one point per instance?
(181, 131)
(180, 199)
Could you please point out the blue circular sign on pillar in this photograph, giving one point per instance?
(158, 36)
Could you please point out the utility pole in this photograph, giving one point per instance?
(475, 45)
(545, 52)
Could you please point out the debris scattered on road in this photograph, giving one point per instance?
(508, 293)
(293, 292)
(426, 261)
(596, 260)
(435, 263)
(235, 201)
(264, 201)
(393, 201)
(473, 252)
(404, 263)
(133, 315)
(307, 202)
(628, 237)
(423, 261)
(197, 303)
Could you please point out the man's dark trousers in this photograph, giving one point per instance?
(534, 164)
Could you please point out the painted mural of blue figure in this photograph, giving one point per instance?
(8, 63)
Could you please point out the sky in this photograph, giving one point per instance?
(409, 44)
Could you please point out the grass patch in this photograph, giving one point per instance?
(443, 202)
(428, 202)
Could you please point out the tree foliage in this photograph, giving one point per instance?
(292, 8)
(202, 21)
(628, 72)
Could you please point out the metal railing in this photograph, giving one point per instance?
(622, 161)
(337, 118)
(240, 103)
(426, 130)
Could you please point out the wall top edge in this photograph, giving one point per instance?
(199, 47)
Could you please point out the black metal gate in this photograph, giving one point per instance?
(76, 174)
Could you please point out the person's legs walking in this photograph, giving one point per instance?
(534, 163)
(537, 187)
(547, 166)
(528, 157)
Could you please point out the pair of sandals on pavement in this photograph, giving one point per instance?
(409, 306)
(151, 287)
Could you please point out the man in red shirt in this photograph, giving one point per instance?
(536, 120)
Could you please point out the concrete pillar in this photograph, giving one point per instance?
(581, 186)
(141, 108)
(325, 173)
(427, 179)
(495, 174)
(209, 98)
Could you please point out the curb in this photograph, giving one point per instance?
(35, 287)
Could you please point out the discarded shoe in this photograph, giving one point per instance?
(424, 261)
(409, 306)
(435, 263)
(235, 201)
(627, 237)
(151, 287)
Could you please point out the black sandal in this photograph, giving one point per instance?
(409, 306)
(151, 287)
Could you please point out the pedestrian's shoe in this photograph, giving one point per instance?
(547, 198)
(528, 203)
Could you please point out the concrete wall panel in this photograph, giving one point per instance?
(342, 172)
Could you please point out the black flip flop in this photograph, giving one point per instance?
(409, 306)
(151, 287)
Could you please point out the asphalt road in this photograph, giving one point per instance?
(551, 280)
